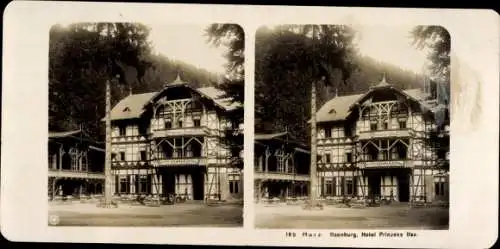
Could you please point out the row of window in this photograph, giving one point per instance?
(346, 186)
(336, 158)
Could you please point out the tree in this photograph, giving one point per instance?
(83, 57)
(437, 40)
(313, 54)
(232, 84)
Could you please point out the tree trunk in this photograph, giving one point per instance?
(313, 177)
(107, 165)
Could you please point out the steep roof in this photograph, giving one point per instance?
(337, 108)
(218, 96)
(132, 106)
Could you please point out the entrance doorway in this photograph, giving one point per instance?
(404, 187)
(198, 185)
(168, 181)
(374, 185)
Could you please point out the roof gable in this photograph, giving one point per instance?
(338, 108)
(133, 106)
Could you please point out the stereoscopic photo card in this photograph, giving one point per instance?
(249, 125)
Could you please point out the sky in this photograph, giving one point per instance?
(187, 43)
(391, 45)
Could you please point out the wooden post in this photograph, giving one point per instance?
(108, 184)
(313, 178)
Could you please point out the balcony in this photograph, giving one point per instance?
(365, 135)
(172, 162)
(385, 164)
(175, 132)
(76, 174)
(126, 139)
(283, 176)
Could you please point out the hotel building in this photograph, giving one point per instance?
(171, 142)
(385, 143)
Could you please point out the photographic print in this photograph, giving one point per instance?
(352, 127)
(145, 125)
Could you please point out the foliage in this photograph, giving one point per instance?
(282, 79)
(81, 58)
(232, 37)
(437, 40)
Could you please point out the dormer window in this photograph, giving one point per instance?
(332, 111)
(126, 109)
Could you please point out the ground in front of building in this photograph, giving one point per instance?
(184, 214)
(383, 217)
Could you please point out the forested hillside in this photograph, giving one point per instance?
(83, 56)
(283, 86)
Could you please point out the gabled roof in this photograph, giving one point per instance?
(54, 135)
(338, 108)
(269, 136)
(281, 136)
(130, 106)
(59, 134)
(133, 106)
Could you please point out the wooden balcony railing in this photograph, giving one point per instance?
(187, 131)
(384, 164)
(385, 134)
(271, 175)
(168, 162)
(75, 174)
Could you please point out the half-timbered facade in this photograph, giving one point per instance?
(170, 142)
(281, 167)
(75, 165)
(383, 143)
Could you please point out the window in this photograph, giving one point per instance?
(122, 156)
(349, 186)
(373, 126)
(328, 132)
(386, 125)
(143, 155)
(197, 122)
(179, 124)
(168, 124)
(329, 186)
(142, 184)
(327, 158)
(113, 156)
(319, 158)
(402, 124)
(123, 130)
(124, 184)
(233, 186)
(439, 188)
(349, 157)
